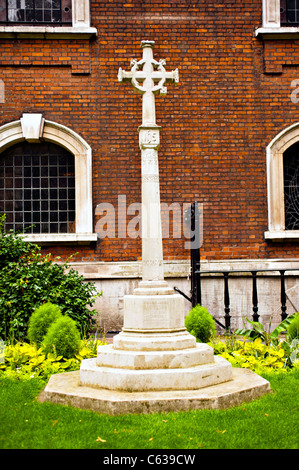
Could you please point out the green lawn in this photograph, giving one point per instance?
(271, 422)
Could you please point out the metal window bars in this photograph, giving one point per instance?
(36, 11)
(37, 188)
(289, 12)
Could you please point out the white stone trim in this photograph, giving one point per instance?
(58, 238)
(174, 269)
(46, 32)
(275, 186)
(12, 133)
(271, 13)
(81, 13)
(278, 33)
(282, 235)
(32, 126)
(80, 26)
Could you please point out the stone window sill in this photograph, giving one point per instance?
(283, 235)
(278, 33)
(47, 32)
(61, 238)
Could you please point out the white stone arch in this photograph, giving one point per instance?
(275, 184)
(33, 128)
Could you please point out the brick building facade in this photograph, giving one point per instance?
(225, 128)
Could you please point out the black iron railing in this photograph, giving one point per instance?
(196, 274)
(255, 308)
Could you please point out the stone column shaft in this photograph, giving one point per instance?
(152, 251)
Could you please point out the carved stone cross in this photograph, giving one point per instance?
(149, 77)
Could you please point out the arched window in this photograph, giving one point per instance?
(37, 188)
(46, 181)
(283, 185)
(291, 187)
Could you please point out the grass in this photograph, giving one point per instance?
(270, 422)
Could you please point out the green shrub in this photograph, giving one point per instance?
(40, 321)
(200, 324)
(293, 328)
(29, 279)
(63, 338)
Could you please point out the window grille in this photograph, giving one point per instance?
(37, 188)
(291, 187)
(289, 12)
(36, 11)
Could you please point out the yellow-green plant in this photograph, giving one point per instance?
(25, 360)
(253, 355)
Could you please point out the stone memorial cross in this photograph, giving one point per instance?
(149, 78)
(154, 364)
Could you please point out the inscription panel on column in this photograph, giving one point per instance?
(150, 162)
(149, 138)
(156, 314)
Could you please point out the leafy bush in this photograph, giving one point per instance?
(40, 321)
(200, 324)
(258, 331)
(292, 352)
(29, 279)
(12, 246)
(63, 337)
(293, 328)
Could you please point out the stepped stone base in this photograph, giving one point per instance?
(65, 389)
(154, 365)
(190, 378)
(154, 340)
(108, 356)
(143, 370)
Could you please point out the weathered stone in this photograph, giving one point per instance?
(65, 389)
(187, 378)
(108, 356)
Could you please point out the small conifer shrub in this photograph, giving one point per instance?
(41, 320)
(63, 337)
(200, 323)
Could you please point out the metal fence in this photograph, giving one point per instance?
(196, 274)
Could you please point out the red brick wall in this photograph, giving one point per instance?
(232, 100)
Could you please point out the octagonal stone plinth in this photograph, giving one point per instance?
(65, 389)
